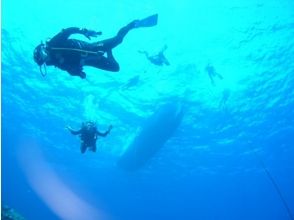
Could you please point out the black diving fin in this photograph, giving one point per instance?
(150, 21)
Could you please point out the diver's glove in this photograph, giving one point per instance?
(89, 33)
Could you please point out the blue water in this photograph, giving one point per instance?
(209, 169)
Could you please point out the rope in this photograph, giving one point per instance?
(277, 188)
(98, 53)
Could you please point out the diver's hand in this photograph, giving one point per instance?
(68, 128)
(82, 75)
(89, 33)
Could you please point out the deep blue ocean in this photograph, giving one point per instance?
(231, 156)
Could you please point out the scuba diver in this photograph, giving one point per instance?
(158, 59)
(212, 73)
(225, 96)
(131, 82)
(72, 55)
(89, 135)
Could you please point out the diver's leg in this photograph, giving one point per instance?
(164, 48)
(166, 62)
(219, 76)
(94, 147)
(163, 59)
(221, 103)
(211, 79)
(105, 63)
(114, 41)
(83, 147)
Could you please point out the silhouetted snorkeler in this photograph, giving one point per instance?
(131, 82)
(72, 55)
(158, 59)
(89, 135)
(212, 73)
(225, 96)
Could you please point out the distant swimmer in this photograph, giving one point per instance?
(212, 73)
(225, 97)
(157, 59)
(89, 135)
(72, 55)
(131, 82)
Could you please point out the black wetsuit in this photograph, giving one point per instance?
(71, 54)
(158, 59)
(88, 135)
(212, 73)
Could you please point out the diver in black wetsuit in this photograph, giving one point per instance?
(157, 59)
(225, 97)
(131, 82)
(71, 54)
(212, 73)
(89, 134)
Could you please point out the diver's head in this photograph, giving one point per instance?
(40, 54)
(90, 123)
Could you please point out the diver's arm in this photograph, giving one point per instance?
(105, 133)
(74, 132)
(166, 62)
(65, 33)
(144, 52)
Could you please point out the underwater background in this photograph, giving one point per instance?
(235, 134)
